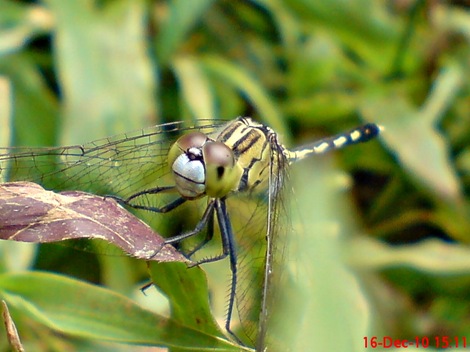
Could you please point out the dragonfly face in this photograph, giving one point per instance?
(220, 162)
(202, 166)
(237, 161)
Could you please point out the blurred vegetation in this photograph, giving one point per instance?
(74, 71)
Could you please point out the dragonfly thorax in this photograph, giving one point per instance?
(202, 166)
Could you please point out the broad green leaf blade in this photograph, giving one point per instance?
(35, 107)
(17, 256)
(286, 22)
(321, 304)
(360, 24)
(238, 77)
(431, 256)
(106, 76)
(13, 256)
(195, 87)
(6, 118)
(452, 19)
(187, 291)
(181, 17)
(411, 133)
(19, 24)
(80, 309)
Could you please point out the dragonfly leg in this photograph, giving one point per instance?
(151, 191)
(209, 235)
(228, 248)
(226, 234)
(170, 206)
(228, 244)
(165, 209)
(207, 219)
(208, 214)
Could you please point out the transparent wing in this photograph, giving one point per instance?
(250, 232)
(121, 165)
(259, 233)
(130, 163)
(277, 241)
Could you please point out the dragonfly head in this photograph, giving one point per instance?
(223, 173)
(202, 166)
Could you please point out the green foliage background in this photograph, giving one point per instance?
(379, 232)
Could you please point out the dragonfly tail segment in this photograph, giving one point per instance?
(357, 135)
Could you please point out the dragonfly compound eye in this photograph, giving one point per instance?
(223, 173)
(186, 161)
(182, 145)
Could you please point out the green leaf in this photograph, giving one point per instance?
(19, 24)
(453, 19)
(430, 256)
(320, 305)
(6, 117)
(105, 73)
(186, 289)
(366, 27)
(35, 107)
(80, 309)
(182, 17)
(237, 76)
(195, 87)
(411, 133)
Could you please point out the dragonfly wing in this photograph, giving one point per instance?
(121, 166)
(260, 232)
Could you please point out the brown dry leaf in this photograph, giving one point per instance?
(29, 213)
(12, 332)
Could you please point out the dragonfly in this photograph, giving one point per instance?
(209, 166)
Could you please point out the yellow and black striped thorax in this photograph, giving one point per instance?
(256, 149)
